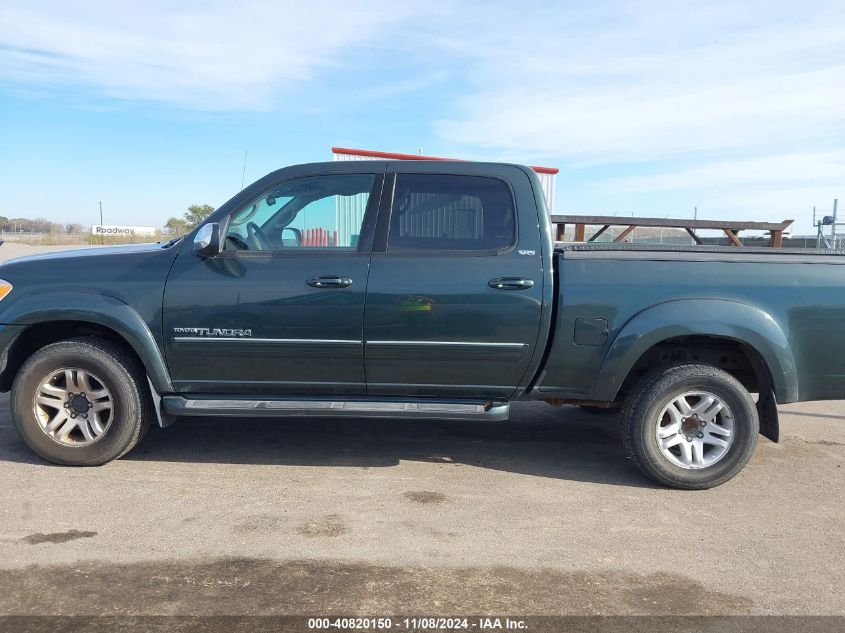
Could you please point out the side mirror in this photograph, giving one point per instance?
(207, 241)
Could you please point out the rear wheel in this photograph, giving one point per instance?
(80, 402)
(690, 426)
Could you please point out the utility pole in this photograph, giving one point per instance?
(102, 237)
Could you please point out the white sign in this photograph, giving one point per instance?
(129, 231)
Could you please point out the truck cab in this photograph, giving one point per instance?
(451, 275)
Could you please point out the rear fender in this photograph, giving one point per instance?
(720, 318)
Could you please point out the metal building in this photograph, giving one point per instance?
(547, 175)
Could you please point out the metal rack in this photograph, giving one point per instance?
(730, 228)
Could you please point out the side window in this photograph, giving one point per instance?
(311, 212)
(433, 212)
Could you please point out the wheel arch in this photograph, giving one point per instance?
(703, 324)
(82, 314)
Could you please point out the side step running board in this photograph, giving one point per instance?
(179, 405)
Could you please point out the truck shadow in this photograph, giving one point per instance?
(538, 441)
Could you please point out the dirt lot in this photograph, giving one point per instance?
(539, 515)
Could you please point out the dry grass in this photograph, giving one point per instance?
(79, 239)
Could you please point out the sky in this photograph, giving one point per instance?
(648, 108)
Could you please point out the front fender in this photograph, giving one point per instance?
(97, 309)
(705, 317)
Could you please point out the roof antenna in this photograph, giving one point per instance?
(243, 172)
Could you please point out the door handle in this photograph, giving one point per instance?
(511, 283)
(329, 281)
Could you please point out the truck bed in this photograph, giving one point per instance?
(789, 315)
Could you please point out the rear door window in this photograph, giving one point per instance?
(435, 212)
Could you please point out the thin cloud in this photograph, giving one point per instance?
(802, 169)
(711, 102)
(658, 81)
(208, 56)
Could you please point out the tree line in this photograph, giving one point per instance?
(29, 225)
(195, 214)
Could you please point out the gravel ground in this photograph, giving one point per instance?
(539, 515)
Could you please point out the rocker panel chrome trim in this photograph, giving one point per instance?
(178, 405)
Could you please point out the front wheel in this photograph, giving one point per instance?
(690, 426)
(80, 402)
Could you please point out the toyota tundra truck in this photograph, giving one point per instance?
(417, 289)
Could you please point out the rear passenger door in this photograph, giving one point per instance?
(455, 289)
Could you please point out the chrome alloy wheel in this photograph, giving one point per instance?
(73, 407)
(695, 430)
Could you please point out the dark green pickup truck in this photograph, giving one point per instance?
(423, 289)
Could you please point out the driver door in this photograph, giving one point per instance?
(280, 310)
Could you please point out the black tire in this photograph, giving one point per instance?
(119, 373)
(646, 401)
